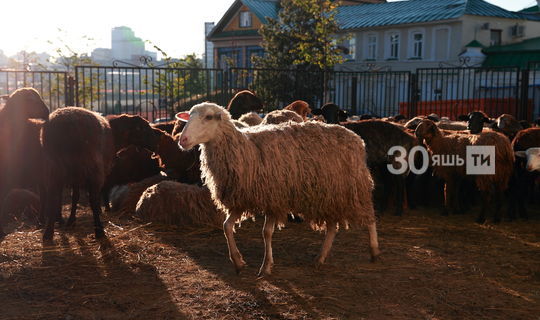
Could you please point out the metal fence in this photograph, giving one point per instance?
(52, 85)
(376, 93)
(157, 93)
(531, 88)
(454, 91)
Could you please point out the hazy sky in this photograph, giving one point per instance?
(176, 26)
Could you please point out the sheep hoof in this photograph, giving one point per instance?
(264, 272)
(239, 266)
(375, 253)
(480, 220)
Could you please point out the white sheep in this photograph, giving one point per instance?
(313, 170)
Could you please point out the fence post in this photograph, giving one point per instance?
(414, 96)
(70, 91)
(523, 101)
(354, 92)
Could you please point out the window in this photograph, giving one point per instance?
(393, 52)
(245, 19)
(371, 47)
(418, 45)
(348, 48)
(495, 37)
(441, 41)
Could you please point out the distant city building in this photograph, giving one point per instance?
(208, 46)
(125, 46)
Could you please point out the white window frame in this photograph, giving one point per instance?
(369, 45)
(389, 46)
(434, 42)
(412, 44)
(351, 46)
(242, 19)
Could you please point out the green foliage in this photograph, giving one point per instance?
(303, 38)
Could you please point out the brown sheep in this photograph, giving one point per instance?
(301, 107)
(276, 170)
(21, 156)
(522, 183)
(132, 130)
(251, 119)
(379, 137)
(180, 165)
(490, 186)
(79, 147)
(281, 116)
(179, 204)
(131, 164)
(243, 102)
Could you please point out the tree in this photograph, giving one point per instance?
(303, 39)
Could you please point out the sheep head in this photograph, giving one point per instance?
(129, 129)
(427, 129)
(26, 103)
(532, 156)
(476, 120)
(203, 124)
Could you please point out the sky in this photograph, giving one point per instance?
(176, 26)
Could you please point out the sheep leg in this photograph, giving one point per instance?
(75, 195)
(268, 231)
(331, 230)
(485, 205)
(234, 254)
(93, 196)
(53, 209)
(373, 242)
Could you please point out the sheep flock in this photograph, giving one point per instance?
(214, 167)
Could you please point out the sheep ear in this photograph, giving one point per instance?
(520, 154)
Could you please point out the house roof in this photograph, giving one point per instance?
(388, 13)
(415, 11)
(517, 54)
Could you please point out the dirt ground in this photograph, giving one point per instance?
(432, 267)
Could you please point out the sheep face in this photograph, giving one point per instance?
(426, 129)
(203, 125)
(533, 158)
(476, 122)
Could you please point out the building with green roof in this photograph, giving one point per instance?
(401, 35)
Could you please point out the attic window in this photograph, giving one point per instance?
(245, 19)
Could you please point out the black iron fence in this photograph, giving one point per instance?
(52, 85)
(157, 93)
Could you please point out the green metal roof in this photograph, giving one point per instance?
(530, 9)
(389, 13)
(415, 11)
(474, 44)
(263, 8)
(518, 54)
